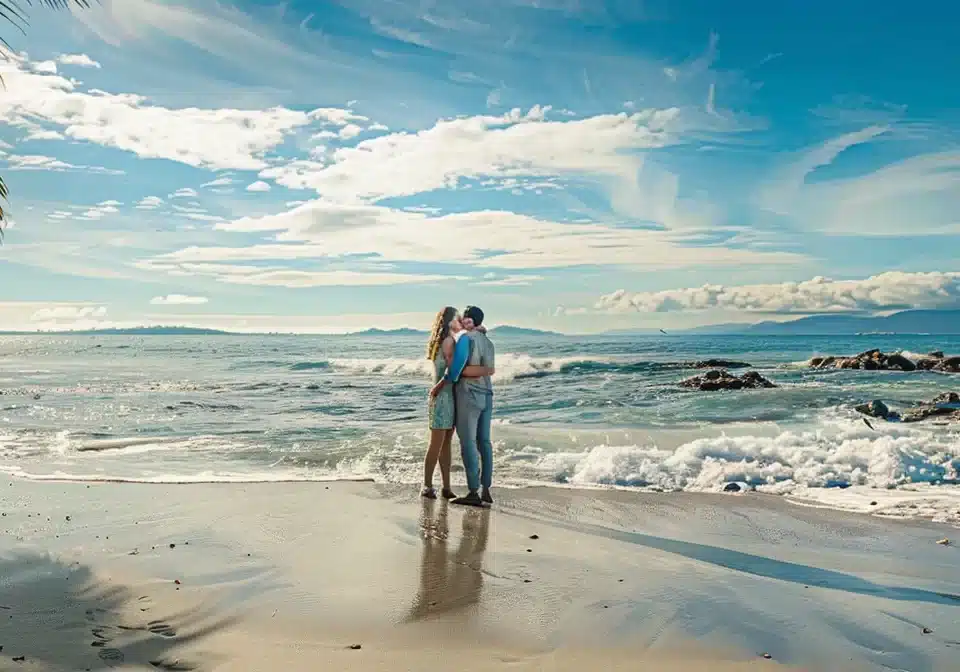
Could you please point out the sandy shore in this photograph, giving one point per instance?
(291, 576)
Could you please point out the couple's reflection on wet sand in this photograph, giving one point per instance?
(450, 580)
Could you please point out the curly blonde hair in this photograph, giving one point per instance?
(440, 330)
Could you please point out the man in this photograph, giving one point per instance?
(474, 399)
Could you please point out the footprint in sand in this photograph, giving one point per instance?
(111, 656)
(172, 666)
(101, 635)
(161, 628)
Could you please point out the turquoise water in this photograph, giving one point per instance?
(575, 411)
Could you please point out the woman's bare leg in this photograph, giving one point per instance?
(434, 449)
(446, 460)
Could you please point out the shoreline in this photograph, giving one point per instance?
(295, 573)
(917, 501)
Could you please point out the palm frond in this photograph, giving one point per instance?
(3, 214)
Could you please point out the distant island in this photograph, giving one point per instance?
(405, 331)
(131, 331)
(505, 330)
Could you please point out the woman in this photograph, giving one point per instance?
(441, 408)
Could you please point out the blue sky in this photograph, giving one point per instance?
(580, 166)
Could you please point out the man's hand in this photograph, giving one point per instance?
(435, 390)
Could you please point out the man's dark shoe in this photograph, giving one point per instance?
(471, 499)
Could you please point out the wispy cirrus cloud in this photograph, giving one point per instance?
(178, 300)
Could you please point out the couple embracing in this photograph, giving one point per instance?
(461, 399)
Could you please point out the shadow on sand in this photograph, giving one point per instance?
(449, 581)
(760, 565)
(57, 616)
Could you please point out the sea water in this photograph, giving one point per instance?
(603, 411)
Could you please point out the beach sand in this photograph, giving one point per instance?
(290, 576)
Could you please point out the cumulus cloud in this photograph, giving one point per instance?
(178, 300)
(514, 144)
(149, 203)
(68, 312)
(208, 138)
(81, 60)
(894, 290)
(258, 186)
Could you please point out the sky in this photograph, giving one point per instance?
(573, 165)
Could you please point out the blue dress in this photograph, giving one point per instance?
(441, 407)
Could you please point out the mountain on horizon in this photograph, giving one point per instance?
(936, 322)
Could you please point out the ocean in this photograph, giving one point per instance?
(585, 411)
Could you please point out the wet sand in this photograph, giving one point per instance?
(297, 576)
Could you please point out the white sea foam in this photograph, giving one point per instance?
(839, 462)
(509, 366)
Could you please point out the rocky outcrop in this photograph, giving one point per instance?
(877, 409)
(944, 406)
(719, 379)
(875, 360)
(716, 364)
(936, 361)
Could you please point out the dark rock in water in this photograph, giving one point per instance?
(720, 379)
(732, 487)
(875, 360)
(876, 409)
(897, 361)
(945, 406)
(946, 398)
(936, 354)
(718, 364)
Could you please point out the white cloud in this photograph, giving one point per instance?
(48, 163)
(178, 300)
(887, 291)
(219, 182)
(68, 312)
(349, 131)
(149, 203)
(44, 67)
(290, 278)
(259, 185)
(81, 60)
(514, 144)
(185, 192)
(210, 138)
(492, 280)
(919, 195)
(336, 234)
